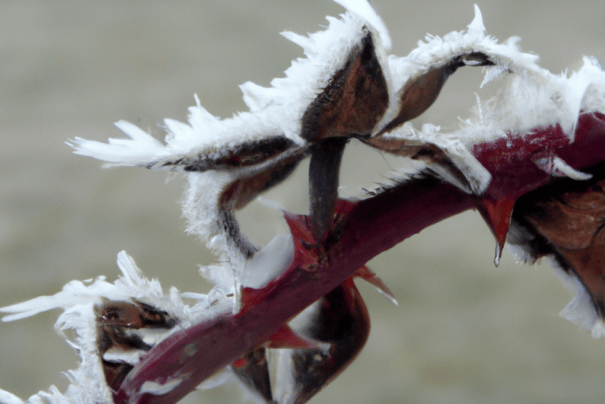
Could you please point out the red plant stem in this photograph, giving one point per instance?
(368, 228)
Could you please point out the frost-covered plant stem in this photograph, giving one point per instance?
(361, 231)
(150, 347)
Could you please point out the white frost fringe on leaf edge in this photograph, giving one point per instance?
(580, 311)
(274, 111)
(533, 98)
(78, 300)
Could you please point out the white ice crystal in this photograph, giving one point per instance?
(275, 111)
(532, 97)
(78, 300)
(580, 310)
(269, 263)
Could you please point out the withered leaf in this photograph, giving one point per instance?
(344, 322)
(237, 194)
(115, 320)
(254, 373)
(354, 100)
(243, 190)
(420, 92)
(569, 217)
(351, 105)
(244, 155)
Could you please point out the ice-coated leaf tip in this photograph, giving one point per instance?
(477, 24)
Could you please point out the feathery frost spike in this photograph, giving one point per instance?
(9, 398)
(365, 10)
(95, 308)
(257, 97)
(476, 27)
(303, 41)
(140, 147)
(580, 311)
(179, 130)
(199, 117)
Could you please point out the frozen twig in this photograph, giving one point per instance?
(140, 344)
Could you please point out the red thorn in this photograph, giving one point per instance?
(286, 338)
(306, 253)
(300, 227)
(497, 214)
(251, 297)
(367, 275)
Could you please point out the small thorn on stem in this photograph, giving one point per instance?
(497, 214)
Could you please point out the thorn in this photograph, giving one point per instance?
(497, 214)
(286, 338)
(300, 228)
(367, 275)
(250, 297)
(306, 253)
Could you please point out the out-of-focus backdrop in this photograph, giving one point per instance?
(464, 331)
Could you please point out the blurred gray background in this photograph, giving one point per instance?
(464, 332)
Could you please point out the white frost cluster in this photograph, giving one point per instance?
(274, 112)
(531, 97)
(78, 300)
(581, 310)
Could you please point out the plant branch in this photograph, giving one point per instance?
(361, 231)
